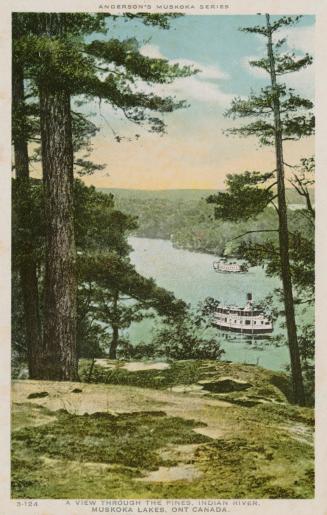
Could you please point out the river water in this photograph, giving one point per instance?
(191, 277)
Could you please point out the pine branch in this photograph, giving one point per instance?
(302, 190)
(275, 206)
(250, 232)
(271, 186)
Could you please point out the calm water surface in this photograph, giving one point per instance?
(191, 277)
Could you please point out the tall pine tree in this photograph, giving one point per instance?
(278, 114)
(23, 130)
(62, 63)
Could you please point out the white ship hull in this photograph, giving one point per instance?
(247, 320)
(229, 268)
(243, 330)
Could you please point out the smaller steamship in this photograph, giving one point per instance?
(224, 266)
(248, 320)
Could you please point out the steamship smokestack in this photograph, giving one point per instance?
(249, 297)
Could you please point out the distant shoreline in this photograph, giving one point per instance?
(188, 221)
(180, 247)
(191, 193)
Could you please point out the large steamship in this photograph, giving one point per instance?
(248, 320)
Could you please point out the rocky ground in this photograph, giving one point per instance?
(190, 429)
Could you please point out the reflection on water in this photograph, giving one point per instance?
(246, 338)
(191, 277)
(258, 350)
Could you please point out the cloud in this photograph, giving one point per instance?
(303, 82)
(202, 87)
(205, 71)
(208, 72)
(188, 88)
(200, 90)
(301, 41)
(151, 51)
(253, 70)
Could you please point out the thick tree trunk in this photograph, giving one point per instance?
(310, 208)
(114, 343)
(27, 265)
(29, 284)
(115, 330)
(89, 376)
(296, 368)
(60, 259)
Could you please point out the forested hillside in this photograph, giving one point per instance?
(184, 217)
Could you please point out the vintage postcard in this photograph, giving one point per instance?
(163, 257)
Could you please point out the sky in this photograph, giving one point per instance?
(195, 153)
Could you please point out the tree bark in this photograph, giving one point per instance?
(27, 264)
(60, 255)
(89, 376)
(114, 343)
(115, 330)
(296, 368)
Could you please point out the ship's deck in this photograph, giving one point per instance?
(233, 310)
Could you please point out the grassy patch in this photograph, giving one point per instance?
(281, 414)
(129, 440)
(183, 372)
(258, 467)
(28, 414)
(103, 456)
(260, 450)
(266, 383)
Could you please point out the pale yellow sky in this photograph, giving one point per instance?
(199, 158)
(170, 163)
